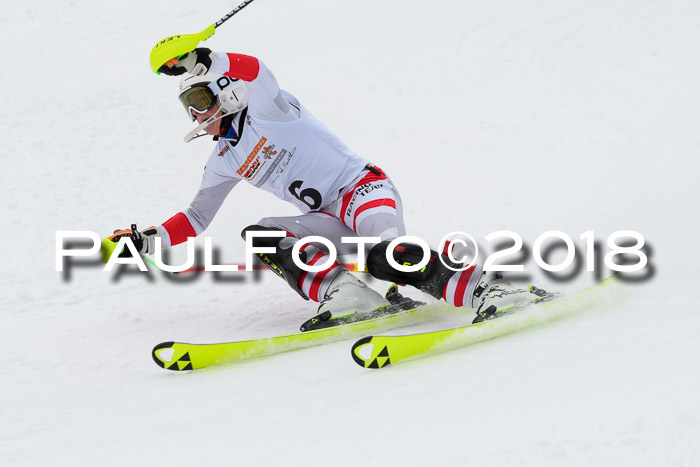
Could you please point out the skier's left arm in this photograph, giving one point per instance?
(263, 90)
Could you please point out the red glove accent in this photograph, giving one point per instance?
(179, 228)
(243, 67)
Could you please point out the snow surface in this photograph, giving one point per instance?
(528, 116)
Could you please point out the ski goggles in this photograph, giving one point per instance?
(199, 98)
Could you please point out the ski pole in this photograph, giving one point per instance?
(174, 46)
(232, 12)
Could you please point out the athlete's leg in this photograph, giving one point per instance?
(309, 284)
(314, 224)
(337, 290)
(372, 207)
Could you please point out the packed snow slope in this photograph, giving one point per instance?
(528, 116)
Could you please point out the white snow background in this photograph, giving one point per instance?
(529, 116)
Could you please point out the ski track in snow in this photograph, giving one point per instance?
(572, 116)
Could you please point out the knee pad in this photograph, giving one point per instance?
(432, 279)
(263, 241)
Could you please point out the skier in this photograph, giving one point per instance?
(266, 137)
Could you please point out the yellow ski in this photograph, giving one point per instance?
(380, 351)
(180, 356)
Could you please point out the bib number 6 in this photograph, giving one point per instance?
(310, 197)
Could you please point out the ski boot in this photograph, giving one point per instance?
(348, 294)
(370, 307)
(495, 297)
(348, 299)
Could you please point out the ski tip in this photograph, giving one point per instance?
(163, 355)
(368, 355)
(167, 356)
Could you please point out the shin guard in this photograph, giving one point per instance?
(280, 262)
(432, 279)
